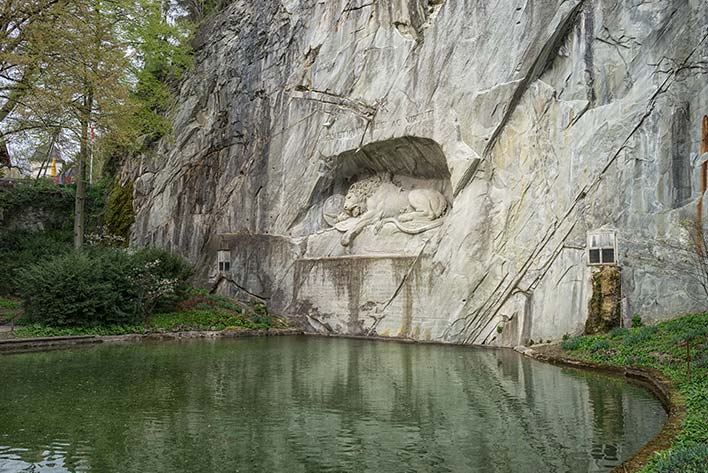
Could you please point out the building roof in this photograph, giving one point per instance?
(40, 154)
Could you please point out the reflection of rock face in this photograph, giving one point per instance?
(591, 118)
(310, 402)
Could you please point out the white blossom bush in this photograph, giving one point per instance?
(103, 286)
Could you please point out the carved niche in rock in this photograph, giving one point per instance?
(378, 201)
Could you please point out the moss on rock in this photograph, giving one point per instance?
(604, 310)
(119, 215)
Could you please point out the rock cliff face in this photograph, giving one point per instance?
(315, 139)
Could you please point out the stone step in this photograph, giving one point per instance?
(19, 341)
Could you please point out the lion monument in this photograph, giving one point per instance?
(378, 201)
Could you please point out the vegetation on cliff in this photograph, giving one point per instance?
(678, 349)
(43, 196)
(119, 215)
(216, 312)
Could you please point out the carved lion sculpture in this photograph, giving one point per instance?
(378, 201)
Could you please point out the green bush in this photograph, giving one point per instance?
(21, 249)
(38, 330)
(102, 287)
(701, 362)
(685, 459)
(9, 304)
(637, 321)
(43, 195)
(600, 344)
(572, 344)
(156, 268)
(618, 332)
(639, 335)
(198, 319)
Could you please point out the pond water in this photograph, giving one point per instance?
(310, 404)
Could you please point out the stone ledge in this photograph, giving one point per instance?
(23, 344)
(660, 385)
(51, 343)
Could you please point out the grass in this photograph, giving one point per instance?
(9, 304)
(9, 309)
(663, 347)
(201, 311)
(38, 330)
(215, 312)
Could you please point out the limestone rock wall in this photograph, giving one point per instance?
(539, 121)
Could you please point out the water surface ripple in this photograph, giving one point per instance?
(307, 404)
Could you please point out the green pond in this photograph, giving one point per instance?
(311, 404)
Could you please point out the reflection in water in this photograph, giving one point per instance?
(303, 404)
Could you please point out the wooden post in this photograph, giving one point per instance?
(704, 183)
(688, 360)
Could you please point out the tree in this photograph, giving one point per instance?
(21, 25)
(82, 82)
(163, 55)
(200, 9)
(105, 67)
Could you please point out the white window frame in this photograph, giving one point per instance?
(612, 245)
(223, 261)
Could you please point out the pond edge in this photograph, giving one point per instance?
(15, 345)
(659, 384)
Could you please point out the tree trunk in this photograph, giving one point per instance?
(80, 202)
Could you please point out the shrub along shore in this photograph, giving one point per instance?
(117, 291)
(678, 349)
(199, 312)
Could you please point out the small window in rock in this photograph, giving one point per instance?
(595, 257)
(224, 258)
(602, 247)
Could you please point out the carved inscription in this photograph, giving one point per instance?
(355, 132)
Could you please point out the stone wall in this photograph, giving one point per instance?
(537, 121)
(25, 207)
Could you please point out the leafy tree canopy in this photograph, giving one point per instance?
(110, 64)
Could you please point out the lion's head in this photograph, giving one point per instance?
(354, 204)
(355, 200)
